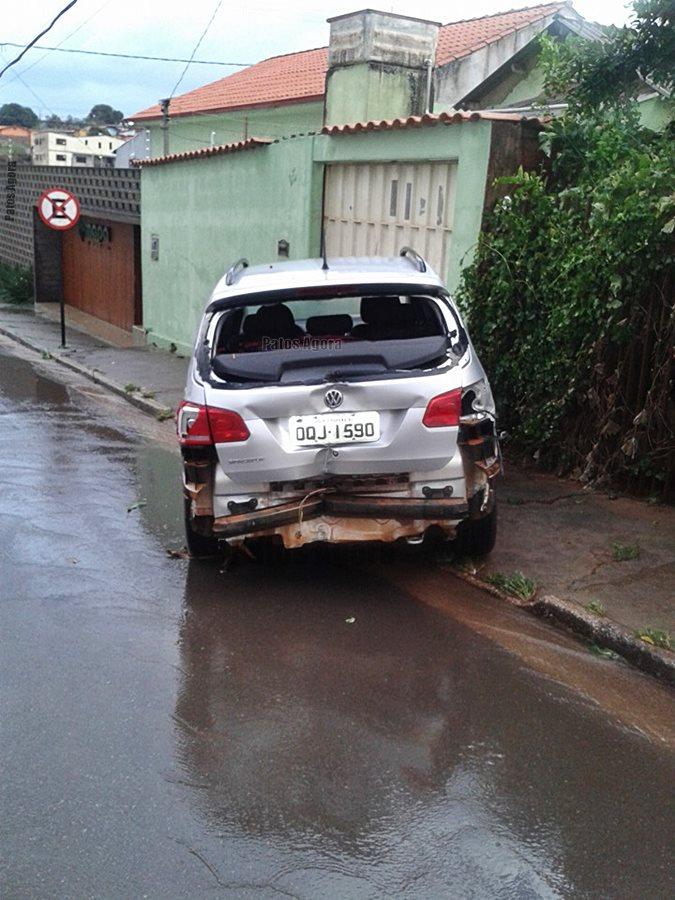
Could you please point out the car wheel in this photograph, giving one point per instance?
(199, 545)
(477, 537)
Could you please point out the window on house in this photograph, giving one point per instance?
(81, 159)
(408, 200)
(99, 145)
(393, 198)
(61, 142)
(61, 157)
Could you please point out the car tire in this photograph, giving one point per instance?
(477, 537)
(200, 546)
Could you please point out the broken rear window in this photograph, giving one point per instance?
(308, 340)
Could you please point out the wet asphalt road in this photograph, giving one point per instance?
(173, 730)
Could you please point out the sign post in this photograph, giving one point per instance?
(60, 210)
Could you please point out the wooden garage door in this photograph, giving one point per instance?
(99, 277)
(374, 209)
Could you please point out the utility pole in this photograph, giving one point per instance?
(164, 106)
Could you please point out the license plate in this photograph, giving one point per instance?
(335, 428)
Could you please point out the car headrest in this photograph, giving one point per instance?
(338, 324)
(400, 315)
(377, 309)
(252, 326)
(277, 316)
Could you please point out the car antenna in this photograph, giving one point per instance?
(323, 221)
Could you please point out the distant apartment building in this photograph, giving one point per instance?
(53, 148)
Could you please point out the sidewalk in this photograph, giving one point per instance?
(157, 376)
(569, 541)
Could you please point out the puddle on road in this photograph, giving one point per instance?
(401, 743)
(19, 381)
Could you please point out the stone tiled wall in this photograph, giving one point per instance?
(107, 193)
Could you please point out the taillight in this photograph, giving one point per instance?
(192, 425)
(199, 426)
(444, 410)
(226, 426)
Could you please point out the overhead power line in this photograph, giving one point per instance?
(38, 36)
(197, 45)
(200, 62)
(66, 38)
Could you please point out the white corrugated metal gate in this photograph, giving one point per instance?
(374, 209)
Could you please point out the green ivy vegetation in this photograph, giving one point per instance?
(569, 297)
(16, 284)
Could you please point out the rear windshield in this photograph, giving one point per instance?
(308, 339)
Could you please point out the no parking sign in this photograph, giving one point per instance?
(58, 209)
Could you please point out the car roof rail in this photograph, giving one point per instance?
(234, 271)
(414, 257)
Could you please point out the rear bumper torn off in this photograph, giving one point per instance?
(339, 506)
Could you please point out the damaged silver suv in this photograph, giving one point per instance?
(335, 401)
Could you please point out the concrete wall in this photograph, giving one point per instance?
(208, 212)
(191, 132)
(366, 92)
(103, 193)
(377, 66)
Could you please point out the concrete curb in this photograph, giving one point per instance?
(610, 634)
(603, 632)
(145, 404)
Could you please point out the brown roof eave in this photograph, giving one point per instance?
(203, 152)
(427, 120)
(266, 104)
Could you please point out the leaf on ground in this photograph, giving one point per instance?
(181, 553)
(604, 652)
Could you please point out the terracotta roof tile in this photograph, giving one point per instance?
(14, 131)
(218, 150)
(300, 77)
(443, 118)
(461, 38)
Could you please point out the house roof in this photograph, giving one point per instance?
(14, 131)
(300, 77)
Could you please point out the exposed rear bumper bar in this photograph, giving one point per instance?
(340, 506)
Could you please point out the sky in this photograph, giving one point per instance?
(64, 83)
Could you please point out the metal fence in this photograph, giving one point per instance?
(103, 193)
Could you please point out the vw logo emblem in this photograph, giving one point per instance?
(333, 399)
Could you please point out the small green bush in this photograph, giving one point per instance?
(16, 284)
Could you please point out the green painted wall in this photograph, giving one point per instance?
(656, 113)
(211, 211)
(468, 143)
(208, 213)
(362, 93)
(191, 132)
(530, 86)
(524, 82)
